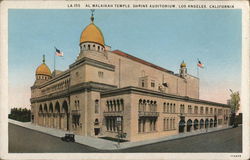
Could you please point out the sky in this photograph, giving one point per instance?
(162, 37)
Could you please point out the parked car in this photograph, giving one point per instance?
(235, 124)
(68, 138)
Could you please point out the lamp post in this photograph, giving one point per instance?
(118, 124)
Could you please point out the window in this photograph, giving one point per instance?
(164, 107)
(96, 122)
(152, 84)
(77, 104)
(96, 106)
(206, 110)
(98, 48)
(211, 110)
(88, 47)
(174, 108)
(201, 110)
(171, 108)
(167, 124)
(195, 109)
(142, 83)
(189, 109)
(182, 108)
(219, 111)
(100, 74)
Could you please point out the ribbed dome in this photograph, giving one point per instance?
(43, 69)
(92, 34)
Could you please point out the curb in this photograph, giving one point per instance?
(109, 145)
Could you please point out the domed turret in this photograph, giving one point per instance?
(92, 38)
(183, 64)
(43, 72)
(183, 70)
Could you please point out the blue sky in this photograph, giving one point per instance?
(162, 37)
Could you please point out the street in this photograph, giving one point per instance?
(23, 140)
(229, 140)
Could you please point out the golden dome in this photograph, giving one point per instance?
(183, 64)
(92, 34)
(43, 69)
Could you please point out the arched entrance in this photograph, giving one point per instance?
(40, 115)
(215, 121)
(201, 123)
(51, 115)
(206, 123)
(66, 111)
(211, 123)
(45, 108)
(96, 129)
(189, 125)
(181, 126)
(196, 123)
(57, 108)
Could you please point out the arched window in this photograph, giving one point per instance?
(88, 47)
(96, 106)
(171, 108)
(96, 121)
(167, 107)
(108, 106)
(122, 104)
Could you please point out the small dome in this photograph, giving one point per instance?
(43, 69)
(183, 64)
(92, 34)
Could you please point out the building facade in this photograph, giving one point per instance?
(105, 93)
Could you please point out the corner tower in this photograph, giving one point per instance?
(183, 70)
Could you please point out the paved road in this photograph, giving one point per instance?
(22, 140)
(229, 140)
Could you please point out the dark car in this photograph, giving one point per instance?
(235, 124)
(69, 138)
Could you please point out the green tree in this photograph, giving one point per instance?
(235, 101)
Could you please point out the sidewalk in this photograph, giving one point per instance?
(103, 144)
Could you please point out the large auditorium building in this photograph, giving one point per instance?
(105, 93)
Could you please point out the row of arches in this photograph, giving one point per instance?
(196, 124)
(44, 108)
(54, 115)
(115, 105)
(147, 105)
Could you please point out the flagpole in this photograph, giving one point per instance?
(54, 63)
(198, 81)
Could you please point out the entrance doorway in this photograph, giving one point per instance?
(189, 125)
(97, 131)
(181, 126)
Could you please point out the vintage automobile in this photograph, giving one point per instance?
(68, 137)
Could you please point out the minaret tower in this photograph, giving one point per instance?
(92, 38)
(183, 70)
(43, 72)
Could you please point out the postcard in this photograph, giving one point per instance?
(124, 80)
